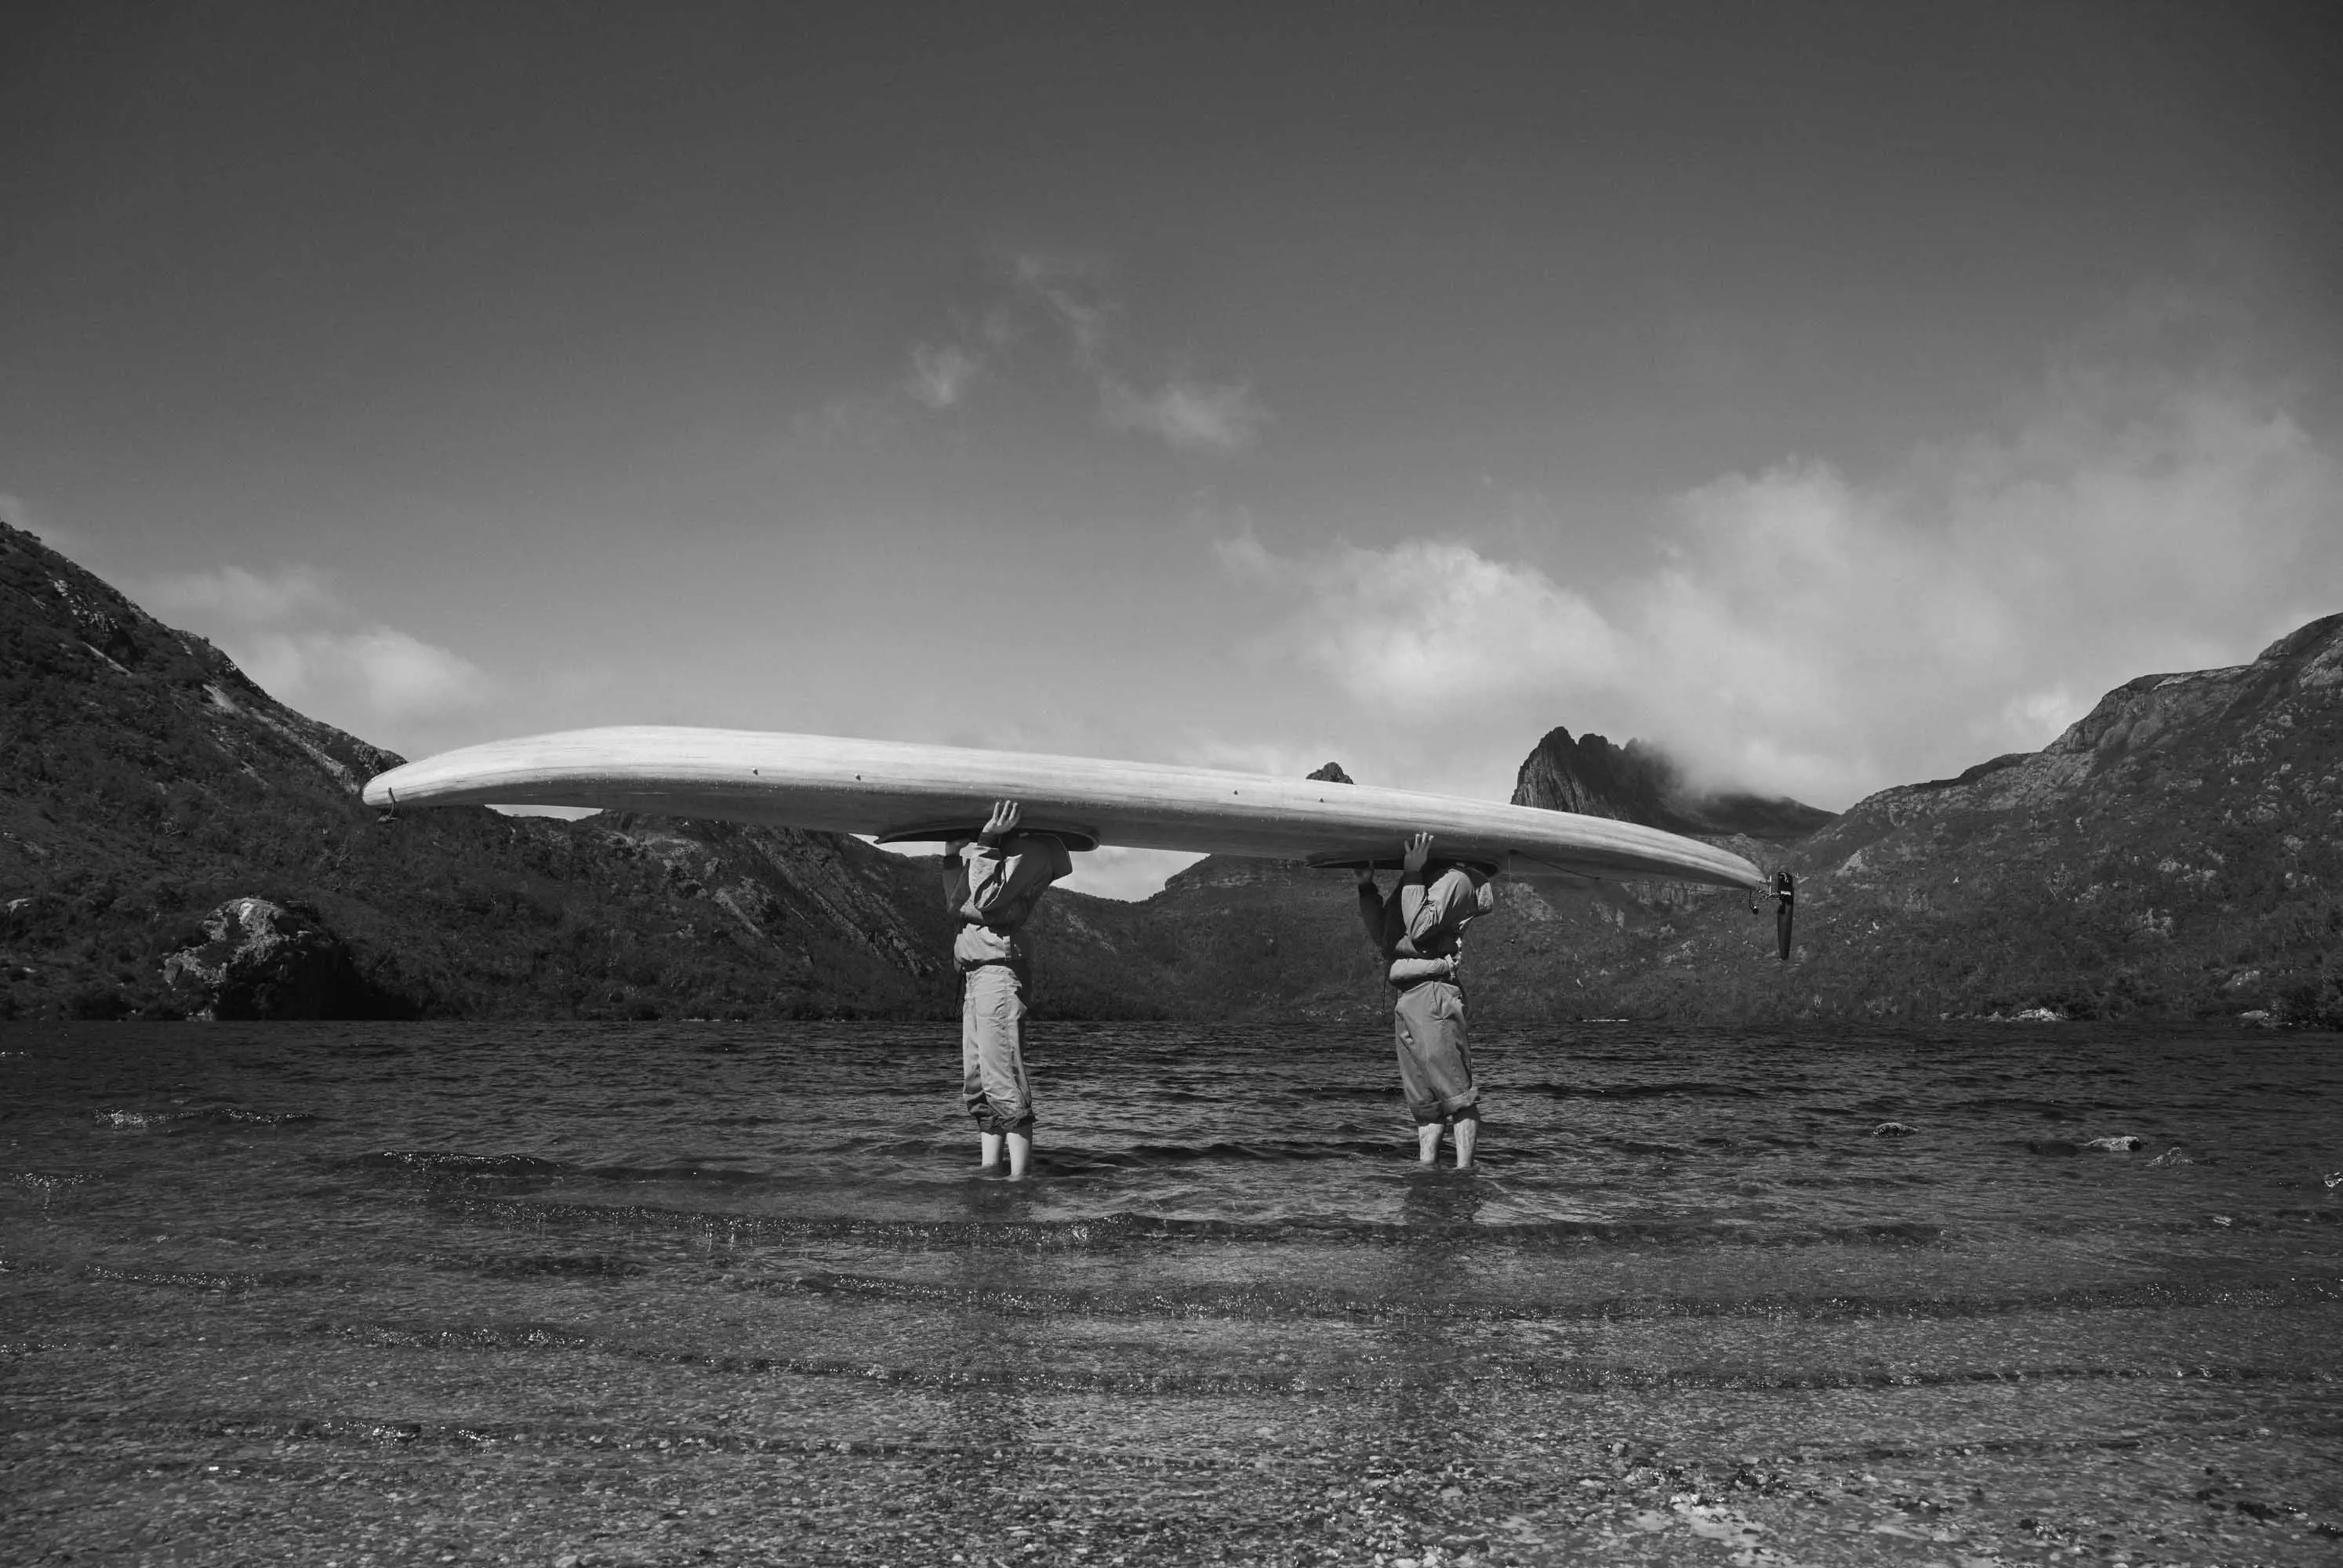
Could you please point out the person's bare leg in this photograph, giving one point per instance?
(1468, 1129)
(988, 1150)
(1021, 1151)
(1427, 1144)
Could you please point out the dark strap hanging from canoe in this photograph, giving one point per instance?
(1785, 903)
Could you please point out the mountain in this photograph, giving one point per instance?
(1264, 939)
(2179, 853)
(1640, 783)
(144, 781)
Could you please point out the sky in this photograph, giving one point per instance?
(1836, 394)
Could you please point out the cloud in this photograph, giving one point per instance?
(1071, 290)
(402, 676)
(1433, 626)
(1065, 296)
(1810, 631)
(849, 420)
(1189, 415)
(293, 634)
(940, 376)
(243, 596)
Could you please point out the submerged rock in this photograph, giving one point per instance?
(1892, 1129)
(267, 960)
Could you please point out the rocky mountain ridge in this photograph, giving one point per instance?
(146, 784)
(2180, 848)
(1641, 783)
(2175, 853)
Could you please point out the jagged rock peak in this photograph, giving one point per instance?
(1641, 783)
(1595, 779)
(1333, 774)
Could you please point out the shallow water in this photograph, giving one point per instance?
(664, 1293)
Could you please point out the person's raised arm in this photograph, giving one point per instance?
(987, 870)
(1371, 904)
(1414, 856)
(1441, 906)
(955, 871)
(1016, 869)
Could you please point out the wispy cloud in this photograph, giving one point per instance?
(293, 635)
(941, 374)
(1073, 289)
(245, 597)
(1810, 631)
(1192, 416)
(1066, 297)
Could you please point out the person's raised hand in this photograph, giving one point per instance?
(1002, 823)
(1367, 875)
(1419, 851)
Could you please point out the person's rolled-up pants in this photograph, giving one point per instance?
(993, 1088)
(1435, 1064)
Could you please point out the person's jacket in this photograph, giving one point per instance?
(1420, 927)
(991, 889)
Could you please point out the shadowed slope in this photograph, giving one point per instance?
(143, 780)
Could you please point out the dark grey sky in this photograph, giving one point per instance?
(1242, 383)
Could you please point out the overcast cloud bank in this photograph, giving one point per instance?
(1824, 634)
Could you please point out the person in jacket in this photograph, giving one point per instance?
(1420, 932)
(992, 887)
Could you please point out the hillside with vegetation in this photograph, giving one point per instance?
(2177, 853)
(2173, 854)
(144, 781)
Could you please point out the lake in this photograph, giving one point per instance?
(663, 1293)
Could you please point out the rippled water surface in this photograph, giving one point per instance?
(674, 1294)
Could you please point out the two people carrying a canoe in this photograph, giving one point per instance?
(993, 883)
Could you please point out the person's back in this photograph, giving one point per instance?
(1419, 931)
(991, 887)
